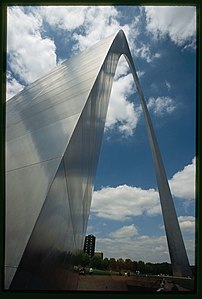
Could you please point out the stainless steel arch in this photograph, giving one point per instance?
(178, 255)
(53, 136)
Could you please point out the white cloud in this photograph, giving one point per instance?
(121, 112)
(126, 242)
(152, 249)
(144, 52)
(168, 85)
(64, 17)
(187, 223)
(97, 23)
(137, 46)
(178, 22)
(161, 105)
(182, 183)
(132, 201)
(29, 55)
(140, 73)
(12, 86)
(125, 232)
(100, 22)
(129, 201)
(146, 248)
(122, 68)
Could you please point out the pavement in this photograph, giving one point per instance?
(124, 284)
(101, 283)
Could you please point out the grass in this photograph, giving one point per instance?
(102, 272)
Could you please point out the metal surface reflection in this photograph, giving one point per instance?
(53, 137)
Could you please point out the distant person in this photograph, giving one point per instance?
(82, 271)
(91, 271)
(161, 289)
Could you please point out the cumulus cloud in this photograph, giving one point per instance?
(152, 249)
(144, 52)
(161, 105)
(146, 248)
(140, 73)
(122, 68)
(29, 55)
(12, 86)
(100, 22)
(168, 85)
(122, 112)
(177, 22)
(182, 183)
(125, 232)
(187, 223)
(126, 242)
(129, 201)
(139, 48)
(132, 201)
(64, 17)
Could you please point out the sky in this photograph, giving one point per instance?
(125, 213)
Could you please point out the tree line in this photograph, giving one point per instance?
(127, 265)
(121, 265)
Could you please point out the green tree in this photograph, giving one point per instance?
(135, 266)
(120, 264)
(82, 259)
(112, 264)
(96, 262)
(128, 265)
(141, 266)
(105, 264)
(149, 268)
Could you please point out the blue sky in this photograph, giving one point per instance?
(125, 214)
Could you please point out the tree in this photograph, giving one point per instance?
(128, 265)
(141, 266)
(149, 268)
(120, 264)
(112, 264)
(105, 264)
(96, 262)
(135, 266)
(81, 259)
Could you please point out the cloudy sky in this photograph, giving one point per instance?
(125, 214)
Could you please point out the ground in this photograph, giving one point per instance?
(125, 283)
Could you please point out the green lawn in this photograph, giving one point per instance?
(102, 272)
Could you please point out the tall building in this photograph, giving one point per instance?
(89, 245)
(54, 131)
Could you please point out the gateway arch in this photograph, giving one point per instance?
(54, 131)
